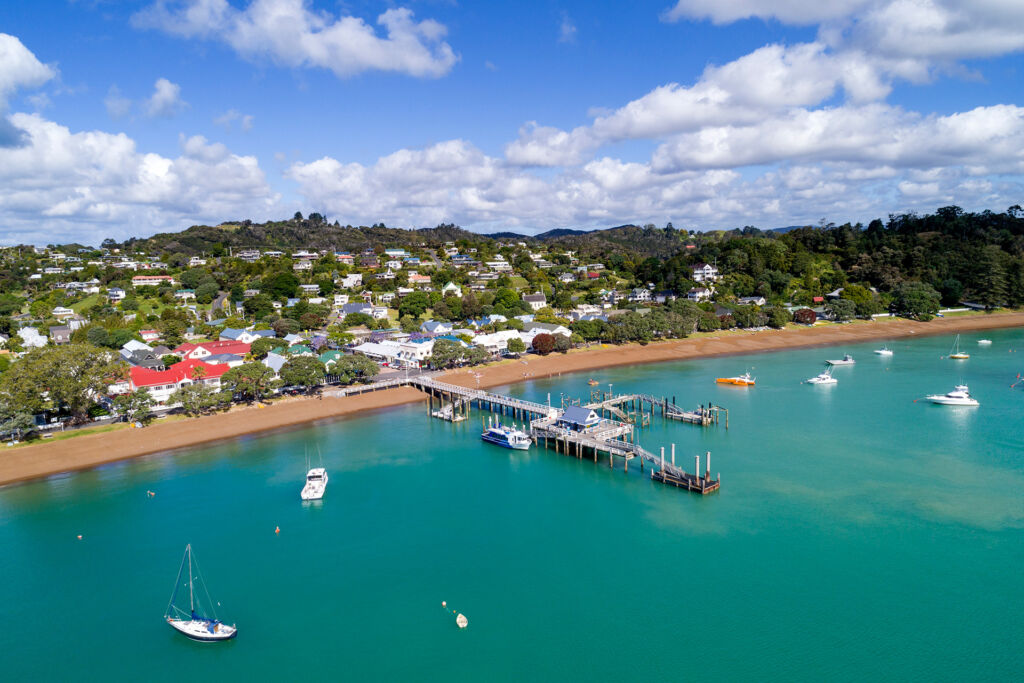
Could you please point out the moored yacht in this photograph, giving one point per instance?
(960, 396)
(984, 342)
(196, 623)
(884, 351)
(316, 484)
(846, 360)
(744, 380)
(955, 353)
(824, 378)
(508, 437)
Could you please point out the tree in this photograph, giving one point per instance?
(134, 406)
(206, 292)
(516, 345)
(916, 300)
(544, 344)
(250, 382)
(98, 336)
(348, 369)
(259, 349)
(445, 354)
(17, 425)
(282, 285)
(778, 317)
(414, 304)
(562, 343)
(746, 316)
(805, 316)
(409, 323)
(337, 335)
(708, 322)
(841, 310)
(197, 399)
(357, 320)
(70, 375)
(302, 371)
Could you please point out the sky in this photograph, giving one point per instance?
(124, 118)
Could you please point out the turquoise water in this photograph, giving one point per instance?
(857, 535)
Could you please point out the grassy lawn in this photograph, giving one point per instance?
(85, 303)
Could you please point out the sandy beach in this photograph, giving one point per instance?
(90, 450)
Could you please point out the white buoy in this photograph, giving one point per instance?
(444, 603)
(462, 621)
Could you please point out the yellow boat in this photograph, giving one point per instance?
(744, 380)
(593, 382)
(955, 353)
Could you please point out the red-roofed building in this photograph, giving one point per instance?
(151, 280)
(163, 383)
(818, 299)
(203, 349)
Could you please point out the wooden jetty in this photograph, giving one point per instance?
(611, 430)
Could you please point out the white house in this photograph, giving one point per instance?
(60, 312)
(496, 342)
(451, 288)
(640, 295)
(352, 281)
(340, 300)
(699, 294)
(703, 272)
(196, 261)
(537, 300)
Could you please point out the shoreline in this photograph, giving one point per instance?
(92, 450)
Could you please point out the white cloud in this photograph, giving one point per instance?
(801, 12)
(165, 101)
(90, 185)
(117, 105)
(566, 30)
(19, 69)
(228, 118)
(290, 33)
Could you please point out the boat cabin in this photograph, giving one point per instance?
(579, 419)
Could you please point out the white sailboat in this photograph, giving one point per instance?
(316, 482)
(955, 353)
(195, 623)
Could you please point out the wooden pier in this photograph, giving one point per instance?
(614, 436)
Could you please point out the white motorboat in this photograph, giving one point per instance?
(984, 342)
(884, 351)
(824, 378)
(508, 437)
(195, 624)
(960, 396)
(316, 484)
(846, 360)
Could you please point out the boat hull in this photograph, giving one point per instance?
(505, 444)
(959, 356)
(732, 381)
(197, 631)
(943, 401)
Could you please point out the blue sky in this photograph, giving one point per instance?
(128, 118)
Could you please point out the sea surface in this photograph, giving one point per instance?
(859, 534)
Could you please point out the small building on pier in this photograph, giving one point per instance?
(579, 419)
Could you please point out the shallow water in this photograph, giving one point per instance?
(857, 535)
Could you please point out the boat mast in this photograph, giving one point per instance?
(191, 602)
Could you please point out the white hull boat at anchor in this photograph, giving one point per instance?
(316, 484)
(824, 378)
(960, 396)
(194, 623)
(846, 360)
(884, 351)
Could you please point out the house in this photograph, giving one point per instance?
(304, 255)
(310, 289)
(396, 253)
(387, 275)
(303, 265)
(345, 258)
(534, 329)
(250, 293)
(31, 339)
(273, 254)
(699, 294)
(149, 335)
(352, 281)
(275, 362)
(292, 339)
(393, 264)
(579, 419)
(163, 383)
(436, 327)
(340, 300)
(152, 280)
(60, 312)
(640, 295)
(385, 297)
(249, 255)
(232, 360)
(349, 309)
(451, 289)
(665, 296)
(379, 312)
(703, 272)
(115, 294)
(196, 261)
(752, 301)
(330, 359)
(202, 350)
(417, 279)
(496, 342)
(244, 336)
(185, 294)
(143, 358)
(566, 278)
(536, 301)
(60, 334)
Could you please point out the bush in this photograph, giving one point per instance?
(805, 316)
(544, 344)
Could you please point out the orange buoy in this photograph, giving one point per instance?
(277, 530)
(79, 537)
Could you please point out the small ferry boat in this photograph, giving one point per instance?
(960, 396)
(316, 484)
(194, 624)
(884, 351)
(744, 380)
(824, 378)
(846, 360)
(984, 342)
(508, 437)
(955, 353)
